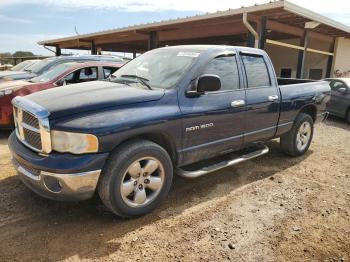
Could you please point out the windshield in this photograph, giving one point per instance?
(21, 66)
(160, 68)
(52, 73)
(38, 66)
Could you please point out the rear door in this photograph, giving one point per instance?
(211, 125)
(262, 102)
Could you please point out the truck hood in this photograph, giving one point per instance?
(91, 96)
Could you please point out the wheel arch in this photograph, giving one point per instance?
(310, 110)
(160, 138)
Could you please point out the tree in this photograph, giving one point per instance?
(22, 54)
(7, 54)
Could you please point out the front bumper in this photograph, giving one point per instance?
(57, 176)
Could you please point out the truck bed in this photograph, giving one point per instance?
(291, 81)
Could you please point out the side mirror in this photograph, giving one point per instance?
(61, 82)
(342, 90)
(206, 83)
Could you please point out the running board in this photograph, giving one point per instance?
(217, 166)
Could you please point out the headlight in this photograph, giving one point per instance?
(75, 143)
(6, 92)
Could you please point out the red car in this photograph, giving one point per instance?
(63, 74)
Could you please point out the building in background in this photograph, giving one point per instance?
(300, 42)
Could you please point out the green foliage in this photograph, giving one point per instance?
(4, 55)
(22, 54)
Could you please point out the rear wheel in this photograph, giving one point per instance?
(348, 116)
(297, 141)
(136, 178)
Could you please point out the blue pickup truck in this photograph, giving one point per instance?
(188, 110)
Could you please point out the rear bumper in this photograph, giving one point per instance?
(57, 176)
(322, 117)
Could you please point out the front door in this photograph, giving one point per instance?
(262, 102)
(211, 125)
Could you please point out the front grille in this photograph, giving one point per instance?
(32, 125)
(32, 138)
(28, 129)
(31, 120)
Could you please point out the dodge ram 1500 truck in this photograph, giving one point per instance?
(188, 110)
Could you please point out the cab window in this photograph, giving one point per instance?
(256, 71)
(107, 71)
(335, 85)
(88, 74)
(81, 75)
(226, 68)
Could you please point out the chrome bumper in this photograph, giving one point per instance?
(69, 187)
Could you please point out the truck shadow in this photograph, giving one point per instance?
(56, 230)
(4, 135)
(338, 122)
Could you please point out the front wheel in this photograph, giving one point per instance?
(297, 141)
(137, 177)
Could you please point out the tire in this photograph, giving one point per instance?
(126, 188)
(347, 117)
(297, 141)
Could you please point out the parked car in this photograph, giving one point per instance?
(339, 105)
(44, 65)
(170, 108)
(24, 65)
(62, 74)
(19, 67)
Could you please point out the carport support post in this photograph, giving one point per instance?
(250, 36)
(58, 51)
(262, 33)
(152, 40)
(330, 60)
(250, 40)
(302, 54)
(93, 48)
(134, 55)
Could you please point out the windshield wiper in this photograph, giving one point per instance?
(116, 80)
(142, 80)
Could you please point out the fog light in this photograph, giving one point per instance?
(52, 184)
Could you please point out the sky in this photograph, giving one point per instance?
(25, 22)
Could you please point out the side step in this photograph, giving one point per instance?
(262, 150)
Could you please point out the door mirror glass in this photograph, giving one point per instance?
(208, 83)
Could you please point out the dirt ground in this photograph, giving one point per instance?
(274, 208)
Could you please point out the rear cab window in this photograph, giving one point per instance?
(256, 71)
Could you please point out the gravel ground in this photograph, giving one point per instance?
(273, 208)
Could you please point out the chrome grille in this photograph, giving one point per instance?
(30, 120)
(32, 138)
(32, 125)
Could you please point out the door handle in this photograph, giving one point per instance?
(237, 103)
(272, 98)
